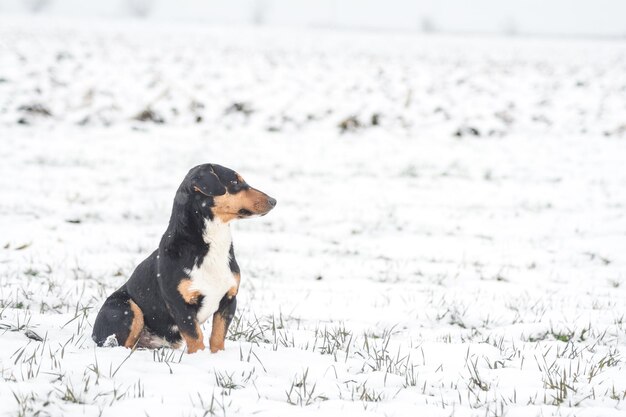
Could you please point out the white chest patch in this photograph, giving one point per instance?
(213, 278)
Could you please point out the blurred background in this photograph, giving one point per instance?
(517, 17)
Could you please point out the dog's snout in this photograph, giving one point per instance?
(271, 201)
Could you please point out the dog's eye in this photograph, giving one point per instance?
(234, 182)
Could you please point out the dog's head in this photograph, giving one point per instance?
(220, 193)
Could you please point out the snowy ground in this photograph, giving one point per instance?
(450, 236)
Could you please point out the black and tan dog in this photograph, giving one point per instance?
(192, 275)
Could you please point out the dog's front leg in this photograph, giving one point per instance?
(221, 320)
(234, 268)
(184, 315)
(193, 337)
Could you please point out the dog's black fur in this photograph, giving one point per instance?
(158, 305)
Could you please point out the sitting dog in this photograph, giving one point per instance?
(192, 275)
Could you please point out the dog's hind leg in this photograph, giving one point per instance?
(119, 322)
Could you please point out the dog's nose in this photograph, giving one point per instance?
(272, 201)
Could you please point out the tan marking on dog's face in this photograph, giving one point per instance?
(232, 291)
(136, 326)
(228, 206)
(218, 333)
(190, 296)
(194, 343)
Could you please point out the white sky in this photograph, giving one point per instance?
(557, 17)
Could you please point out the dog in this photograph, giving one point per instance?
(192, 275)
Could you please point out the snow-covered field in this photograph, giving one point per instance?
(449, 240)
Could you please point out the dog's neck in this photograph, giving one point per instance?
(218, 238)
(216, 232)
(186, 226)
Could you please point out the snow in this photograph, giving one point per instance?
(464, 255)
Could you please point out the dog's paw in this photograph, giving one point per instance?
(111, 341)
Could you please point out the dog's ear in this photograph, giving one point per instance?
(206, 182)
(202, 191)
